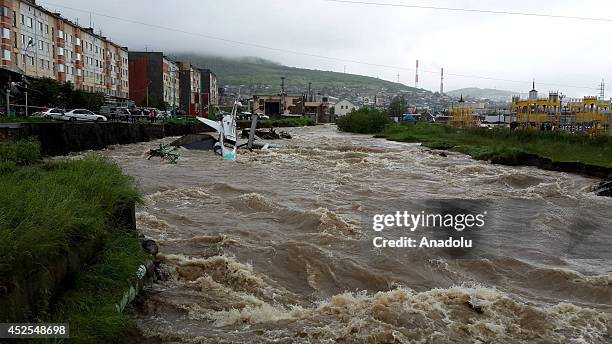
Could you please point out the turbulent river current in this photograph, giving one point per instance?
(277, 247)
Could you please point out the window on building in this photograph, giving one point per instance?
(41, 45)
(42, 63)
(60, 34)
(47, 29)
(60, 51)
(31, 60)
(6, 33)
(14, 19)
(40, 26)
(6, 55)
(4, 11)
(14, 39)
(29, 22)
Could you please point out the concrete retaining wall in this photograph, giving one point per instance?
(63, 138)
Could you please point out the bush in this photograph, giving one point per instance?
(20, 152)
(364, 121)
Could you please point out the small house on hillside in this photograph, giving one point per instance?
(343, 107)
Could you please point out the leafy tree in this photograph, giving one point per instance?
(365, 121)
(46, 92)
(397, 106)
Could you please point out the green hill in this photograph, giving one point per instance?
(259, 74)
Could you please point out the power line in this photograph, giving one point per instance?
(473, 10)
(294, 52)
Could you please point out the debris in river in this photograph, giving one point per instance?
(267, 134)
(604, 188)
(165, 153)
(475, 308)
(150, 246)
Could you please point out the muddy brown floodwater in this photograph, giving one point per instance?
(273, 248)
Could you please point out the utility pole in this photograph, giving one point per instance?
(30, 44)
(282, 94)
(148, 83)
(416, 76)
(8, 97)
(442, 81)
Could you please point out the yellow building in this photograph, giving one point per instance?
(535, 111)
(463, 116)
(591, 110)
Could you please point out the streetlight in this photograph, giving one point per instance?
(30, 44)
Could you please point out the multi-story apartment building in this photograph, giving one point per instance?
(191, 97)
(39, 43)
(154, 78)
(210, 91)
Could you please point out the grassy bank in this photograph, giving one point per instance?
(53, 210)
(506, 146)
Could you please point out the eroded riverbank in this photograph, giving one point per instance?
(273, 248)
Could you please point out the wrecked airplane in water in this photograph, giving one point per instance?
(226, 144)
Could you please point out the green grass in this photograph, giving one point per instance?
(90, 305)
(52, 209)
(507, 145)
(20, 153)
(23, 119)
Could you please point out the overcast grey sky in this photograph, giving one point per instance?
(558, 53)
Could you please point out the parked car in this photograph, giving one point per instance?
(54, 113)
(263, 116)
(84, 115)
(120, 113)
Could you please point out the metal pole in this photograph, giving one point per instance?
(26, 103)
(8, 97)
(252, 132)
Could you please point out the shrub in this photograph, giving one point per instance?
(364, 121)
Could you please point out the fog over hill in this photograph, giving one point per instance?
(485, 93)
